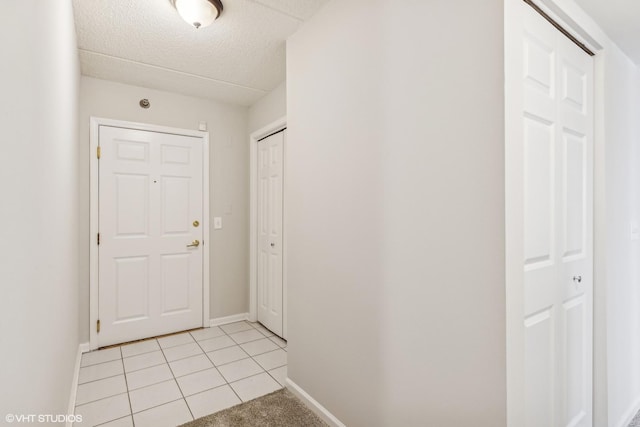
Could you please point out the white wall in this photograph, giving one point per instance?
(39, 77)
(269, 108)
(621, 207)
(395, 169)
(229, 198)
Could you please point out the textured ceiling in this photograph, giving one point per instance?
(620, 19)
(237, 59)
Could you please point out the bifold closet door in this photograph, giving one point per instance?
(557, 142)
(270, 225)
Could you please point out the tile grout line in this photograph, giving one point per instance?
(216, 368)
(162, 404)
(99, 363)
(141, 354)
(100, 379)
(251, 376)
(126, 384)
(228, 363)
(103, 398)
(146, 367)
(274, 378)
(194, 372)
(275, 367)
(225, 378)
(178, 384)
(174, 346)
(273, 351)
(117, 419)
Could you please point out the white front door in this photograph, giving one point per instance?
(150, 223)
(556, 117)
(270, 199)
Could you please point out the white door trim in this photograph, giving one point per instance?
(568, 14)
(95, 123)
(276, 126)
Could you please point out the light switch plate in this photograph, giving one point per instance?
(203, 126)
(634, 230)
(217, 223)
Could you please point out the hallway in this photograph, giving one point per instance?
(429, 254)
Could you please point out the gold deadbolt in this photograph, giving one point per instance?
(196, 223)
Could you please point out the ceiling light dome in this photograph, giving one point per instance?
(198, 13)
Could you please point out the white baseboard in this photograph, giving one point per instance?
(625, 420)
(228, 319)
(314, 405)
(82, 348)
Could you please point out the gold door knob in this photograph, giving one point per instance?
(194, 244)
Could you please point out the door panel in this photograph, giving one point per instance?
(539, 63)
(270, 240)
(176, 192)
(132, 205)
(539, 193)
(557, 146)
(175, 273)
(576, 361)
(539, 368)
(150, 191)
(575, 187)
(131, 288)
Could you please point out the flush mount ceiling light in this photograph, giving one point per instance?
(198, 13)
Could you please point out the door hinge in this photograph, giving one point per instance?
(98, 152)
(98, 326)
(98, 239)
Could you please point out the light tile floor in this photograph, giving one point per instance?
(172, 380)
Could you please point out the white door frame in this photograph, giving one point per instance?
(95, 123)
(274, 127)
(568, 14)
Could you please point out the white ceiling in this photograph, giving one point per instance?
(620, 19)
(238, 59)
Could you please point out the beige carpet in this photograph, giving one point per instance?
(278, 409)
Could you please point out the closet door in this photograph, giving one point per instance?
(270, 208)
(557, 174)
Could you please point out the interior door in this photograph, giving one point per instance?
(557, 138)
(150, 241)
(270, 216)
